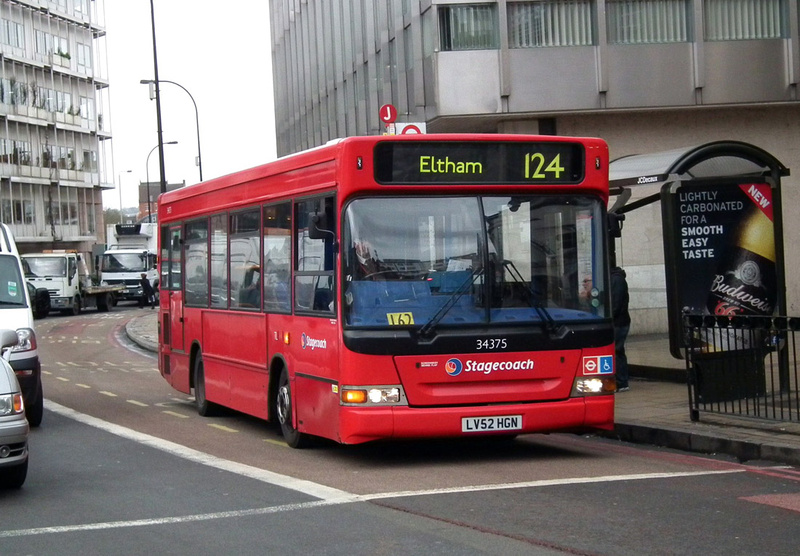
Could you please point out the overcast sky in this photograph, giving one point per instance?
(221, 53)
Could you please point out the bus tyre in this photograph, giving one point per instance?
(204, 407)
(283, 405)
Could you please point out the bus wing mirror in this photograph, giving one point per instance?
(318, 226)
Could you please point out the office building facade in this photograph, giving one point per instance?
(645, 75)
(55, 152)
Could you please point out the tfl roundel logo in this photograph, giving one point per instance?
(454, 367)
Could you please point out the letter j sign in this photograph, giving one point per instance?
(388, 114)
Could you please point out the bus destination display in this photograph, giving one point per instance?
(449, 162)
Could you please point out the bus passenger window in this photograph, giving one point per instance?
(315, 238)
(250, 292)
(244, 253)
(277, 230)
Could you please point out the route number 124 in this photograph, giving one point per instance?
(537, 167)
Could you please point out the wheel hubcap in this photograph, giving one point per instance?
(284, 405)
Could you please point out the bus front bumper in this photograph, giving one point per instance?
(359, 425)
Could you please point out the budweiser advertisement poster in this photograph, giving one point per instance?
(725, 252)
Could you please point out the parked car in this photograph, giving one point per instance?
(13, 424)
(16, 313)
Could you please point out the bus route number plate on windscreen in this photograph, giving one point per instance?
(400, 319)
(490, 424)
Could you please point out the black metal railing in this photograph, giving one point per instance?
(743, 365)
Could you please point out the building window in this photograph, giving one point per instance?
(47, 43)
(84, 58)
(87, 108)
(13, 92)
(89, 161)
(734, 20)
(17, 211)
(66, 158)
(46, 99)
(550, 23)
(468, 27)
(15, 152)
(11, 33)
(647, 21)
(66, 213)
(81, 9)
(63, 102)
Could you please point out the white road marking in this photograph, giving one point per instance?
(327, 496)
(306, 487)
(165, 520)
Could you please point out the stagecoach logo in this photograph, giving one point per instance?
(313, 343)
(454, 366)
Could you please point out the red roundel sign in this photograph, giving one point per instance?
(388, 114)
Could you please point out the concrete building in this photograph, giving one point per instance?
(148, 199)
(55, 152)
(645, 75)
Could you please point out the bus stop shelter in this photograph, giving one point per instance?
(703, 207)
(723, 245)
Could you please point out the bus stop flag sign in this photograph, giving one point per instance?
(388, 114)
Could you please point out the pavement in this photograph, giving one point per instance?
(655, 411)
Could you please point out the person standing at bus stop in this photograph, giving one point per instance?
(622, 324)
(148, 296)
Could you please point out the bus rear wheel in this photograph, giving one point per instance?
(283, 405)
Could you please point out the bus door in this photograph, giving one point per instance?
(175, 263)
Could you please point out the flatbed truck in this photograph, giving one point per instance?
(63, 273)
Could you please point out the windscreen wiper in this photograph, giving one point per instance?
(428, 327)
(548, 322)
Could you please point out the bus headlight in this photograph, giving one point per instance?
(373, 395)
(593, 386)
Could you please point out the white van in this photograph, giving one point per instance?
(16, 314)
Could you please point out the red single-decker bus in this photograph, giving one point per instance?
(396, 287)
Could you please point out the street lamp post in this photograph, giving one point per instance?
(160, 146)
(155, 83)
(158, 107)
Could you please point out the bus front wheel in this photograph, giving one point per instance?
(291, 435)
(204, 407)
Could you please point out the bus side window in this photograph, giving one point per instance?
(277, 257)
(250, 292)
(315, 247)
(323, 294)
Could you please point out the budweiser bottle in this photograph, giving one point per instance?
(745, 282)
